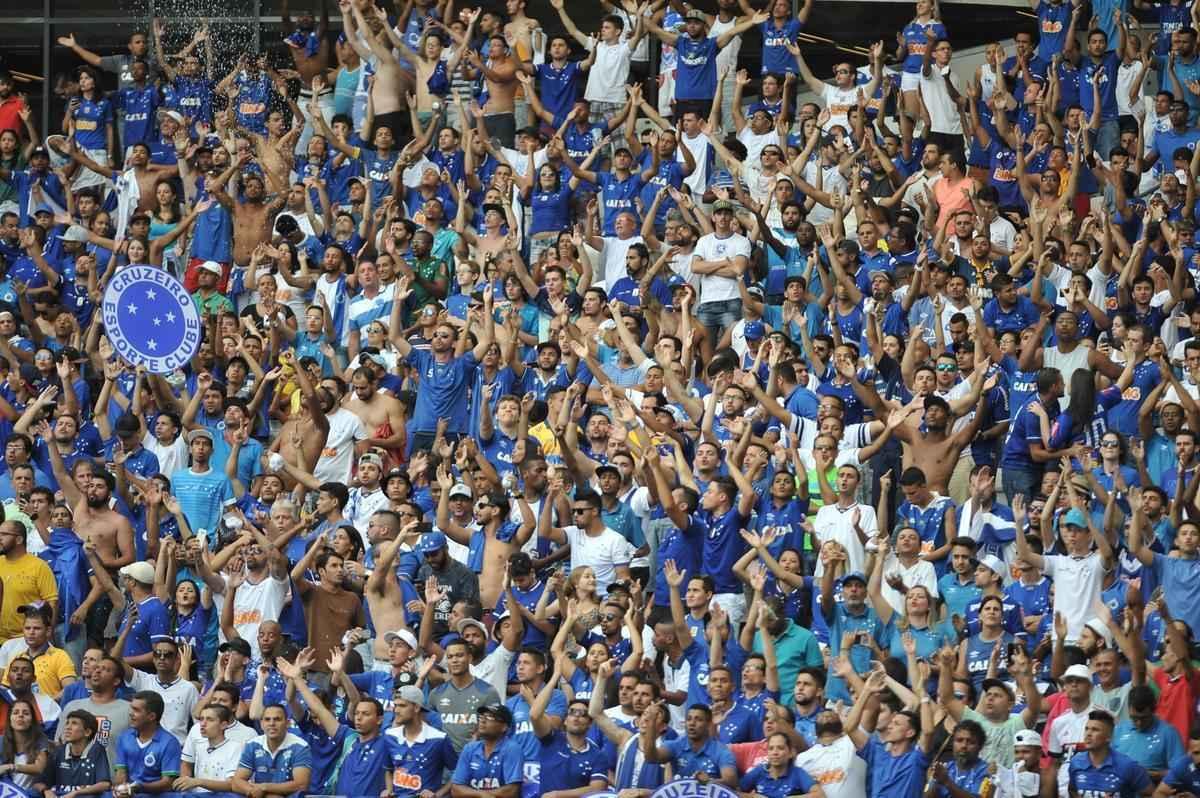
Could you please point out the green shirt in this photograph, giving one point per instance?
(429, 269)
(214, 304)
(998, 748)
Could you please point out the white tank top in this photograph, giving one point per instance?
(1066, 364)
(728, 56)
(987, 83)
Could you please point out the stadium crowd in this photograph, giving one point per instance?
(576, 413)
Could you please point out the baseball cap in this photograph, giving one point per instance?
(413, 695)
(756, 291)
(1027, 738)
(1075, 517)
(38, 607)
(465, 622)
(994, 563)
(1079, 671)
(607, 468)
(75, 233)
(39, 152)
(891, 278)
(239, 645)
(497, 711)
(696, 13)
(140, 571)
(462, 489)
(753, 330)
(722, 205)
(404, 636)
(198, 433)
(1101, 628)
(432, 542)
(990, 683)
(854, 575)
(212, 266)
(676, 281)
(370, 458)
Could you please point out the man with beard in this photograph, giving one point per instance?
(445, 376)
(27, 579)
(95, 520)
(451, 580)
(253, 216)
(419, 753)
(458, 699)
(330, 609)
(382, 415)
(571, 760)
(832, 760)
(257, 595)
(966, 771)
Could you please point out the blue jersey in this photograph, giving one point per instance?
(916, 42)
(567, 768)
(775, 38)
(1118, 776)
(794, 781)
(723, 547)
(137, 111)
(279, 767)
(1053, 21)
(92, 118)
(558, 88)
(377, 169)
(254, 93)
(1123, 417)
(617, 195)
(192, 97)
(443, 391)
(417, 765)
(696, 70)
(150, 761)
(1104, 74)
(551, 210)
(480, 771)
(979, 653)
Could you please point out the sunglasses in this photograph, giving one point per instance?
(947, 368)
(579, 510)
(577, 713)
(163, 654)
(609, 617)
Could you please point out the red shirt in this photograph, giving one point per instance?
(10, 118)
(1177, 699)
(749, 755)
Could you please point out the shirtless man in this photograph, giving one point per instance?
(253, 219)
(274, 151)
(491, 514)
(308, 44)
(381, 414)
(500, 74)
(146, 174)
(95, 520)
(936, 449)
(384, 597)
(391, 82)
(302, 437)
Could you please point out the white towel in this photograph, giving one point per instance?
(129, 194)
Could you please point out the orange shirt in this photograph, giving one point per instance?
(951, 200)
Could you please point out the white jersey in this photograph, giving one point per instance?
(837, 767)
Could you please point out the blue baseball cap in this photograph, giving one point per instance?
(854, 575)
(754, 330)
(432, 541)
(1075, 517)
(676, 281)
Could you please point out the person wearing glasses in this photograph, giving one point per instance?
(593, 544)
(179, 696)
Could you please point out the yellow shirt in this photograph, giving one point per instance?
(545, 436)
(51, 667)
(25, 580)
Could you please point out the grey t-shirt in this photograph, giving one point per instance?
(457, 708)
(119, 64)
(113, 719)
